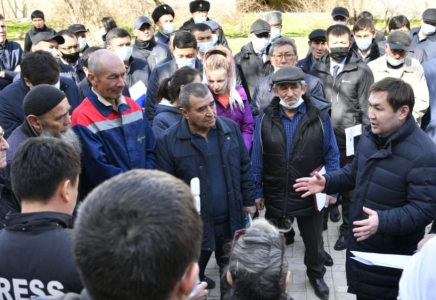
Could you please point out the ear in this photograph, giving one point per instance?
(288, 276)
(275, 91)
(386, 46)
(229, 278)
(35, 122)
(135, 32)
(92, 78)
(64, 188)
(309, 43)
(404, 111)
(109, 47)
(189, 279)
(304, 89)
(184, 113)
(28, 84)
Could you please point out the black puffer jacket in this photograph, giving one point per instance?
(397, 179)
(151, 51)
(348, 93)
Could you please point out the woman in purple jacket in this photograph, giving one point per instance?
(231, 100)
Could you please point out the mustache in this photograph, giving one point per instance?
(290, 98)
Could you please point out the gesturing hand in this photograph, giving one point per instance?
(312, 185)
(367, 227)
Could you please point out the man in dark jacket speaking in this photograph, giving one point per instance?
(211, 148)
(394, 177)
(294, 136)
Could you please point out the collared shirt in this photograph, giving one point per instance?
(368, 52)
(331, 158)
(120, 100)
(341, 66)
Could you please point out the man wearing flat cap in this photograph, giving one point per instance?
(317, 46)
(163, 17)
(278, 159)
(274, 19)
(425, 36)
(395, 63)
(80, 31)
(48, 42)
(47, 115)
(145, 46)
(253, 57)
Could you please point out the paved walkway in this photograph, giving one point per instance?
(299, 287)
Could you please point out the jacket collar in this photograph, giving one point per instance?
(398, 136)
(103, 109)
(185, 133)
(38, 220)
(147, 45)
(323, 64)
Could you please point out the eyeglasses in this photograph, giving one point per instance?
(287, 56)
(70, 48)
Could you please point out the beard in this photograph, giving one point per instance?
(68, 136)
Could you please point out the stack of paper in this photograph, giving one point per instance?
(383, 260)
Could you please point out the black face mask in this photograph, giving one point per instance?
(339, 53)
(71, 58)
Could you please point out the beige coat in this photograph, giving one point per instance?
(412, 73)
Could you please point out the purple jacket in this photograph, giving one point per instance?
(244, 119)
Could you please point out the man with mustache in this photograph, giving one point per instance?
(211, 148)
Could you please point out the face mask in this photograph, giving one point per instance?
(54, 52)
(275, 33)
(185, 62)
(339, 53)
(124, 52)
(427, 29)
(82, 43)
(339, 23)
(363, 44)
(71, 58)
(293, 106)
(394, 62)
(215, 38)
(203, 47)
(103, 31)
(260, 44)
(199, 19)
(58, 84)
(168, 28)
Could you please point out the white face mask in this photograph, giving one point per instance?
(124, 52)
(275, 33)
(427, 29)
(82, 43)
(260, 44)
(339, 23)
(103, 31)
(57, 85)
(215, 38)
(394, 62)
(199, 19)
(182, 62)
(54, 52)
(293, 106)
(168, 28)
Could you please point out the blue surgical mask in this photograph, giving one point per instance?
(293, 106)
(203, 47)
(168, 28)
(124, 52)
(275, 33)
(183, 62)
(260, 44)
(339, 23)
(363, 44)
(427, 29)
(200, 19)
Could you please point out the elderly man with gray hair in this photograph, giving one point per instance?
(278, 159)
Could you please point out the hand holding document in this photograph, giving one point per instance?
(351, 138)
(383, 260)
(319, 198)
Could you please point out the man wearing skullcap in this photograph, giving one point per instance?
(163, 17)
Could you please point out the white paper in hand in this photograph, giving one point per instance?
(350, 133)
(320, 198)
(383, 260)
(137, 90)
(195, 189)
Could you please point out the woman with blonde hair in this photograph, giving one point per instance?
(231, 100)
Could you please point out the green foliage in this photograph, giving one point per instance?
(17, 31)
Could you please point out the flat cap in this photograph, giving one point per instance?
(273, 17)
(340, 11)
(399, 40)
(199, 5)
(77, 28)
(141, 20)
(46, 36)
(429, 15)
(288, 74)
(41, 99)
(260, 26)
(212, 24)
(161, 10)
(318, 35)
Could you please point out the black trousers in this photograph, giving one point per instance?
(311, 232)
(222, 240)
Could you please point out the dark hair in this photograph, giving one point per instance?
(108, 23)
(40, 67)
(257, 263)
(87, 53)
(281, 42)
(184, 39)
(67, 33)
(200, 27)
(365, 14)
(363, 24)
(337, 30)
(135, 236)
(399, 93)
(117, 33)
(37, 14)
(40, 165)
(195, 89)
(399, 21)
(169, 88)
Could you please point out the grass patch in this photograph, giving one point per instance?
(16, 30)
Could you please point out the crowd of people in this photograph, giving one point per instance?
(99, 144)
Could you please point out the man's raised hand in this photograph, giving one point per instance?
(312, 185)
